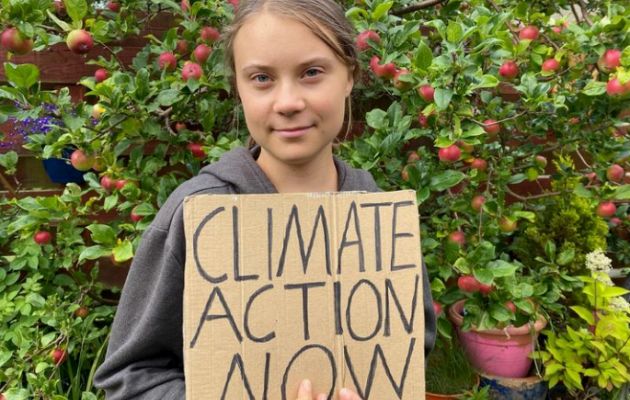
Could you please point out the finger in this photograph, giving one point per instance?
(347, 394)
(305, 390)
(322, 396)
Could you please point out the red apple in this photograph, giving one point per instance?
(364, 37)
(508, 70)
(167, 61)
(507, 225)
(209, 34)
(556, 29)
(58, 356)
(412, 157)
(185, 6)
(384, 71)
(611, 59)
(79, 41)
(449, 154)
(81, 161)
(181, 47)
(510, 306)
(120, 183)
(614, 221)
(540, 161)
(615, 88)
(423, 120)
(42, 237)
(201, 53)
(191, 70)
(99, 164)
(113, 6)
(550, 65)
(100, 75)
(615, 173)
(492, 127)
(468, 283)
(426, 92)
(479, 164)
(401, 85)
(404, 174)
(196, 149)
(180, 126)
(457, 237)
(528, 33)
(485, 289)
(81, 312)
(108, 183)
(60, 8)
(477, 202)
(437, 309)
(606, 209)
(234, 3)
(15, 42)
(134, 216)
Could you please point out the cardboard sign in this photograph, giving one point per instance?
(325, 286)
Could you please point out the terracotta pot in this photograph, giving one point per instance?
(498, 352)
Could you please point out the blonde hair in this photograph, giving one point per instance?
(325, 18)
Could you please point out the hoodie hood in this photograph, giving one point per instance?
(238, 169)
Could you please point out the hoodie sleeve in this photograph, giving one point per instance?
(144, 358)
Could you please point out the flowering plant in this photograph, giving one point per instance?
(592, 353)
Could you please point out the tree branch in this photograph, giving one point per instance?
(418, 7)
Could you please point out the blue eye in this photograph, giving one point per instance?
(312, 72)
(261, 78)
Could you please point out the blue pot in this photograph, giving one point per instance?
(529, 388)
(60, 171)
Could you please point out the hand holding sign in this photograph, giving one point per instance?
(305, 392)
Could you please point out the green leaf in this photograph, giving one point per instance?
(594, 88)
(622, 192)
(613, 291)
(123, 252)
(446, 179)
(454, 32)
(500, 268)
(102, 234)
(62, 24)
(22, 76)
(442, 98)
(376, 119)
(381, 10)
(9, 162)
(93, 252)
(585, 314)
(76, 9)
(566, 256)
(424, 56)
(168, 97)
(487, 81)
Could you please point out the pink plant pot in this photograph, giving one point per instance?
(498, 352)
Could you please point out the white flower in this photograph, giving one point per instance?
(597, 261)
(620, 304)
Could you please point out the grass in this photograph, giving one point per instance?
(448, 369)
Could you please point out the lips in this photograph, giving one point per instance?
(292, 132)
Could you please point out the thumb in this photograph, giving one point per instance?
(304, 392)
(347, 394)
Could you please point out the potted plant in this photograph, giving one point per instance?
(495, 314)
(590, 354)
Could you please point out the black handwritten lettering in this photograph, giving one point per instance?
(248, 306)
(305, 287)
(396, 235)
(364, 391)
(236, 258)
(205, 316)
(377, 231)
(196, 235)
(390, 292)
(331, 359)
(305, 255)
(237, 361)
(379, 322)
(352, 214)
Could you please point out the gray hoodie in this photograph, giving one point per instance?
(145, 353)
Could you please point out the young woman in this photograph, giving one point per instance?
(294, 66)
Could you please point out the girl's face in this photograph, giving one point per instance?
(292, 86)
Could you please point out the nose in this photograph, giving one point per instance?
(289, 99)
